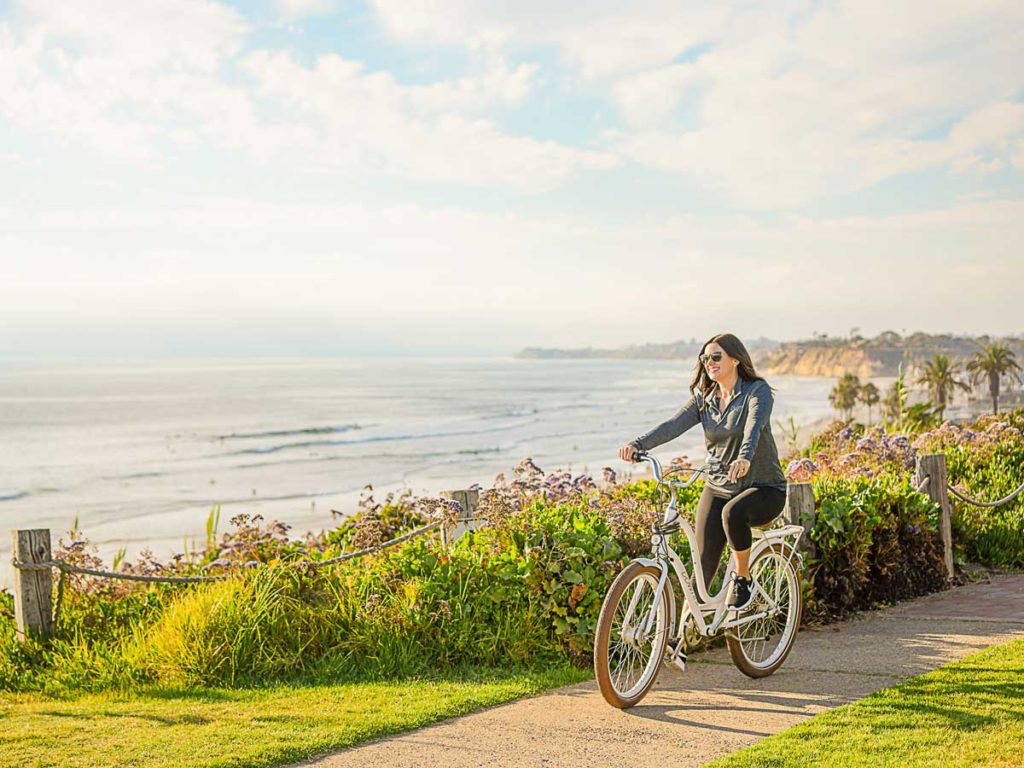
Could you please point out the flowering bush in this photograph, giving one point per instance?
(845, 450)
(984, 461)
(524, 588)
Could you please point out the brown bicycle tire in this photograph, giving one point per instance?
(604, 627)
(735, 647)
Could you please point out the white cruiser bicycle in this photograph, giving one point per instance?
(638, 616)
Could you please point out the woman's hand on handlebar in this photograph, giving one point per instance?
(628, 452)
(738, 469)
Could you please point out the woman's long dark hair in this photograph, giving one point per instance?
(734, 348)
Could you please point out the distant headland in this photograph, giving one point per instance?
(822, 355)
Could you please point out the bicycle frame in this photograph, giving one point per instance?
(699, 603)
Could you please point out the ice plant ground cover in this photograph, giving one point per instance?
(967, 713)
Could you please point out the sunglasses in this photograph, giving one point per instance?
(714, 357)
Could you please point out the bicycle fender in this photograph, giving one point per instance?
(762, 545)
(663, 566)
(787, 548)
(649, 562)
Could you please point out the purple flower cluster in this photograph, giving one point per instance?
(983, 436)
(503, 500)
(846, 451)
(801, 470)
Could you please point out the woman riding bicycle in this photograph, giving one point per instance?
(734, 405)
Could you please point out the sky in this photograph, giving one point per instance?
(307, 177)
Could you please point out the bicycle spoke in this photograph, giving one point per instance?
(631, 662)
(762, 638)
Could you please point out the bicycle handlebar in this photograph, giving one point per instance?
(711, 466)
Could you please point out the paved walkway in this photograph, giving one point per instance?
(712, 708)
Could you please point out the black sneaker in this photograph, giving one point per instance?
(740, 594)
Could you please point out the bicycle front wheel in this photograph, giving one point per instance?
(627, 655)
(759, 647)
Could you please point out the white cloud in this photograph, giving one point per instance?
(425, 132)
(333, 82)
(108, 74)
(837, 104)
(146, 35)
(159, 75)
(298, 9)
(1018, 155)
(784, 103)
(650, 97)
(985, 140)
(776, 105)
(601, 36)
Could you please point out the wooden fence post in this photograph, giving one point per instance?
(33, 590)
(800, 511)
(469, 499)
(933, 467)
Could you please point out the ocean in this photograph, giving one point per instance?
(140, 451)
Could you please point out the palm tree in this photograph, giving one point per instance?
(994, 362)
(940, 376)
(869, 396)
(895, 402)
(843, 396)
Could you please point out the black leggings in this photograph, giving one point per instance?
(719, 518)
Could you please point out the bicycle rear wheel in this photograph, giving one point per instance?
(626, 658)
(759, 647)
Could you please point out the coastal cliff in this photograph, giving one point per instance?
(821, 356)
(880, 356)
(833, 362)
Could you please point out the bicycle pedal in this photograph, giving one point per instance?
(680, 662)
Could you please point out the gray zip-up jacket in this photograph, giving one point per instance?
(740, 430)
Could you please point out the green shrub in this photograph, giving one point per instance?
(256, 627)
(876, 541)
(510, 596)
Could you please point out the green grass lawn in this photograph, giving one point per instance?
(254, 727)
(967, 713)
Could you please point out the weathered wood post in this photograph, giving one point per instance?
(469, 499)
(33, 589)
(933, 467)
(799, 510)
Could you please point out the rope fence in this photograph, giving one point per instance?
(65, 567)
(34, 566)
(376, 548)
(988, 504)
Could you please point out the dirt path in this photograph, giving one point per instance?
(691, 717)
